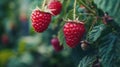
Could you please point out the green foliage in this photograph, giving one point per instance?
(24, 60)
(96, 33)
(109, 44)
(110, 6)
(109, 50)
(87, 61)
(4, 56)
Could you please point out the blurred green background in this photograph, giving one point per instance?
(20, 46)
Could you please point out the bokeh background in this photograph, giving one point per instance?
(20, 45)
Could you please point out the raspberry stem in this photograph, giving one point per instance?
(74, 11)
(43, 5)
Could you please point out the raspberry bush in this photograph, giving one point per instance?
(90, 26)
(86, 33)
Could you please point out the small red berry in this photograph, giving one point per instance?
(56, 44)
(40, 20)
(73, 32)
(5, 39)
(55, 7)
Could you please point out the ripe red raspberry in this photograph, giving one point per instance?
(73, 32)
(40, 20)
(55, 7)
(56, 44)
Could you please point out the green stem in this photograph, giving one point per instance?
(43, 5)
(74, 10)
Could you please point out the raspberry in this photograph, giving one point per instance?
(40, 20)
(55, 7)
(73, 32)
(56, 44)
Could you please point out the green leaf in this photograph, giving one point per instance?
(110, 6)
(87, 61)
(96, 33)
(109, 50)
